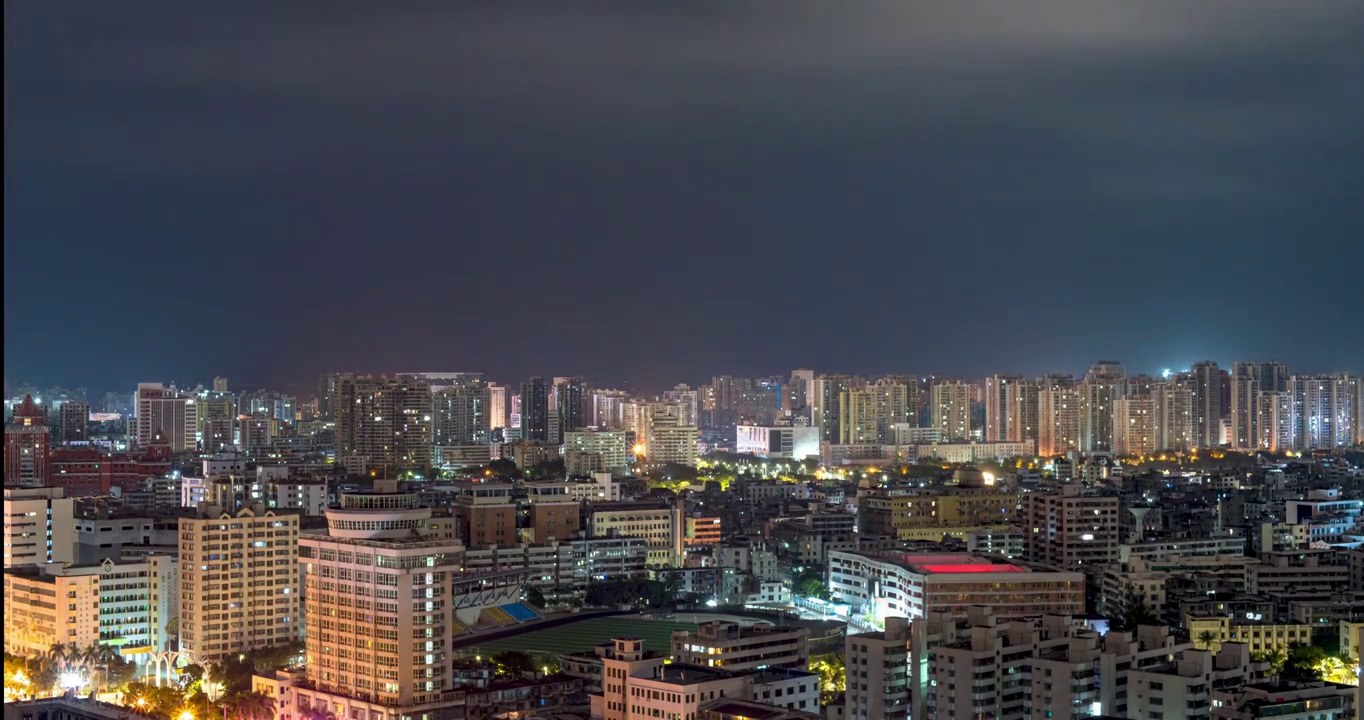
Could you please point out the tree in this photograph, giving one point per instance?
(832, 675)
(535, 597)
(514, 664)
(1304, 663)
(811, 586)
(504, 468)
(251, 706)
(1206, 639)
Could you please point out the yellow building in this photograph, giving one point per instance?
(239, 581)
(42, 610)
(1260, 637)
(904, 514)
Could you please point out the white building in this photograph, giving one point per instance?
(39, 527)
(590, 451)
(792, 443)
(966, 452)
(950, 408)
(878, 672)
(166, 409)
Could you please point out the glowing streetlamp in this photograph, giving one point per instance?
(186, 715)
(70, 681)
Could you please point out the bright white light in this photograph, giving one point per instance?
(70, 681)
(1087, 536)
(711, 603)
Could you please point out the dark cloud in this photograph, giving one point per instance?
(643, 191)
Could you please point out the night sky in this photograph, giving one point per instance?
(650, 193)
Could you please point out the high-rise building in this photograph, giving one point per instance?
(686, 400)
(239, 572)
(608, 409)
(1273, 377)
(217, 414)
(799, 389)
(385, 419)
(460, 410)
(596, 450)
(1275, 421)
(174, 413)
(572, 400)
(1000, 406)
(1173, 406)
(1134, 425)
(39, 526)
(28, 446)
(857, 417)
(73, 420)
(667, 439)
(950, 409)
(1105, 383)
(1324, 410)
(1245, 386)
(219, 384)
(1207, 404)
(382, 582)
(884, 691)
(1058, 415)
(1069, 529)
(535, 410)
(497, 406)
(824, 404)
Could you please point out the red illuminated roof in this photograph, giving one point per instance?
(971, 568)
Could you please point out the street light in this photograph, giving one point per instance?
(70, 681)
(186, 715)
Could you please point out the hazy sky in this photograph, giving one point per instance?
(657, 192)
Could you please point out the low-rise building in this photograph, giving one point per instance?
(1182, 689)
(1261, 637)
(912, 584)
(731, 646)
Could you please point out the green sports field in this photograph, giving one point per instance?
(583, 636)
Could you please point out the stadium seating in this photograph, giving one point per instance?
(521, 612)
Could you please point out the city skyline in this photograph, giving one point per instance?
(968, 190)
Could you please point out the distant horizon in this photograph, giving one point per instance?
(311, 386)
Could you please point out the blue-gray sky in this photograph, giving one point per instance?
(658, 192)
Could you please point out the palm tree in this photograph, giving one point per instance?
(317, 713)
(1206, 639)
(252, 706)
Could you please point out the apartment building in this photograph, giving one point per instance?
(877, 672)
(1182, 688)
(661, 523)
(1070, 529)
(239, 571)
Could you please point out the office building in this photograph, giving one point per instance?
(795, 442)
(173, 413)
(877, 672)
(893, 584)
(497, 406)
(124, 604)
(28, 445)
(950, 409)
(487, 513)
(239, 570)
(1070, 529)
(731, 646)
(661, 523)
(40, 527)
(572, 399)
